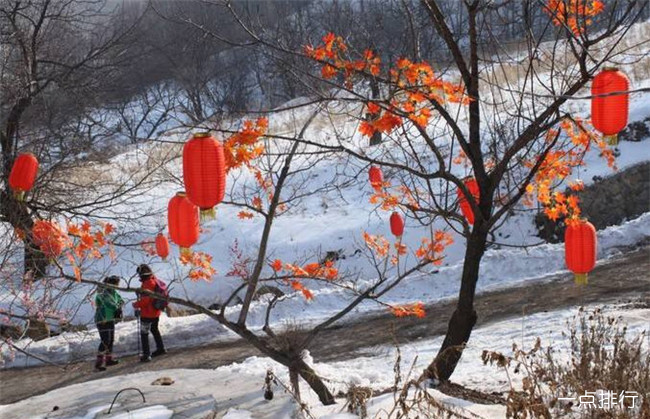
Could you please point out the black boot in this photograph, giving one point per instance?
(146, 354)
(158, 352)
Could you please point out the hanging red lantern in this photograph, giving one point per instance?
(472, 185)
(396, 224)
(22, 175)
(162, 246)
(580, 245)
(183, 222)
(609, 113)
(376, 178)
(204, 172)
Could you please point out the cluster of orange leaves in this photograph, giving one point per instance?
(415, 309)
(429, 250)
(201, 265)
(378, 244)
(243, 147)
(313, 270)
(50, 238)
(433, 250)
(558, 165)
(332, 54)
(417, 84)
(324, 270)
(575, 14)
(388, 200)
(77, 243)
(244, 215)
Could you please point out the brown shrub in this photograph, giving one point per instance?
(601, 358)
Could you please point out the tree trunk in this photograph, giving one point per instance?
(464, 317)
(376, 136)
(314, 381)
(294, 379)
(17, 214)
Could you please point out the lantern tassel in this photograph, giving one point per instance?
(208, 214)
(611, 139)
(581, 279)
(19, 195)
(186, 252)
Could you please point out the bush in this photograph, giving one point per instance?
(601, 358)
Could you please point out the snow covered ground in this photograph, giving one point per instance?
(235, 391)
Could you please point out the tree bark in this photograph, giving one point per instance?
(376, 136)
(17, 214)
(294, 379)
(464, 317)
(315, 382)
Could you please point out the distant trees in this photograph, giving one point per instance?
(61, 64)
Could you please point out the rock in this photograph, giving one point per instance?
(636, 131)
(37, 329)
(11, 331)
(163, 381)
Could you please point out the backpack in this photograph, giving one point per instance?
(161, 288)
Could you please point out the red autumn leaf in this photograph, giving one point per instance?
(276, 265)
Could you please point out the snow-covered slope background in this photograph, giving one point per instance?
(322, 222)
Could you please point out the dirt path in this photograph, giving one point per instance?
(623, 279)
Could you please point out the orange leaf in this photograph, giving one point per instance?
(276, 265)
(373, 108)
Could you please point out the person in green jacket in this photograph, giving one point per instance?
(108, 304)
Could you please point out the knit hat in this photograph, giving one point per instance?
(144, 271)
(112, 280)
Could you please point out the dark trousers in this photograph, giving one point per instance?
(150, 325)
(106, 336)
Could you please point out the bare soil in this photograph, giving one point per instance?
(625, 279)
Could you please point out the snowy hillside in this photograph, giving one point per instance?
(330, 221)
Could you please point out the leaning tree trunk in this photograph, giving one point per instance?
(314, 381)
(294, 379)
(464, 317)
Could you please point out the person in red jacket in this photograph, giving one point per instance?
(149, 315)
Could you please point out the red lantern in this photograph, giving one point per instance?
(580, 244)
(204, 172)
(472, 185)
(396, 224)
(609, 113)
(183, 222)
(376, 178)
(23, 173)
(162, 246)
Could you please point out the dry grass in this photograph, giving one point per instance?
(601, 357)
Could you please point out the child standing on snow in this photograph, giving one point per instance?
(108, 305)
(149, 314)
